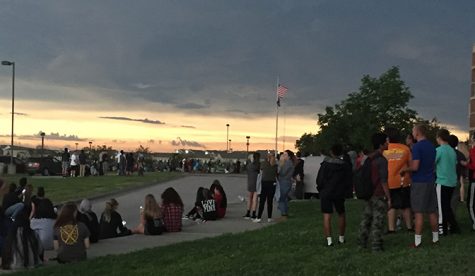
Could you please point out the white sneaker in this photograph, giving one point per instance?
(269, 220)
(257, 220)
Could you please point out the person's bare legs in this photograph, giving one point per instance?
(434, 222)
(342, 224)
(254, 202)
(419, 222)
(327, 228)
(392, 220)
(407, 215)
(249, 202)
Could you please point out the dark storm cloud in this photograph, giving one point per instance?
(145, 121)
(182, 54)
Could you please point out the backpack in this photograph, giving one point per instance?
(363, 181)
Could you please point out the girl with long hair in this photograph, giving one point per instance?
(89, 218)
(172, 210)
(71, 238)
(219, 196)
(269, 175)
(253, 168)
(205, 206)
(111, 224)
(151, 222)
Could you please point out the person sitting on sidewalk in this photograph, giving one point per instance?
(111, 223)
(219, 196)
(172, 210)
(71, 238)
(151, 222)
(89, 218)
(205, 206)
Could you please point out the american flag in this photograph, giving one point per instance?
(281, 91)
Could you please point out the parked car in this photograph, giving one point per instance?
(20, 165)
(44, 166)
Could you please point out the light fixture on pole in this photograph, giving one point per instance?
(90, 145)
(230, 148)
(77, 146)
(42, 134)
(227, 137)
(247, 144)
(12, 168)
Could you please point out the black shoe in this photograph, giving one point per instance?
(390, 232)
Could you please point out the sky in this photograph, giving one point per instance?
(172, 74)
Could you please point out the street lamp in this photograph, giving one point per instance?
(77, 146)
(12, 168)
(42, 134)
(247, 144)
(90, 145)
(230, 149)
(227, 137)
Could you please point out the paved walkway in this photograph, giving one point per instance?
(130, 203)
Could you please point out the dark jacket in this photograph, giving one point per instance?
(299, 168)
(334, 178)
(113, 228)
(90, 220)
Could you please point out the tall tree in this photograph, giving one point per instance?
(379, 102)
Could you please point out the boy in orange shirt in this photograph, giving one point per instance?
(399, 157)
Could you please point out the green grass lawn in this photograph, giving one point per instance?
(295, 247)
(74, 188)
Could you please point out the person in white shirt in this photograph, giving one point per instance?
(74, 164)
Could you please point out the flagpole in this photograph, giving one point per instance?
(283, 136)
(276, 118)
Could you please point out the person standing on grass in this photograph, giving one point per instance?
(65, 157)
(71, 238)
(471, 184)
(446, 163)
(253, 168)
(377, 206)
(269, 174)
(82, 163)
(74, 164)
(334, 181)
(298, 176)
(399, 157)
(461, 166)
(423, 191)
(285, 172)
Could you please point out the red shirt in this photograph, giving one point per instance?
(172, 215)
(220, 212)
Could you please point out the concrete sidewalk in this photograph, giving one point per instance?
(129, 204)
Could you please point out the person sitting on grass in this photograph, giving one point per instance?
(151, 222)
(111, 224)
(43, 219)
(89, 218)
(172, 210)
(22, 247)
(205, 206)
(219, 196)
(334, 182)
(71, 238)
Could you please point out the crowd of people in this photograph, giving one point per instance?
(31, 224)
(406, 182)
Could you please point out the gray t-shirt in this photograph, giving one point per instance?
(71, 238)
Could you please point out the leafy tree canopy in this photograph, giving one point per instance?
(379, 103)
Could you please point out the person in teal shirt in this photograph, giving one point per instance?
(446, 171)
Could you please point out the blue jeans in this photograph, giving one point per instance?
(14, 210)
(284, 197)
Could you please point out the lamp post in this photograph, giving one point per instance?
(230, 148)
(77, 146)
(227, 138)
(90, 145)
(42, 143)
(247, 144)
(12, 168)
